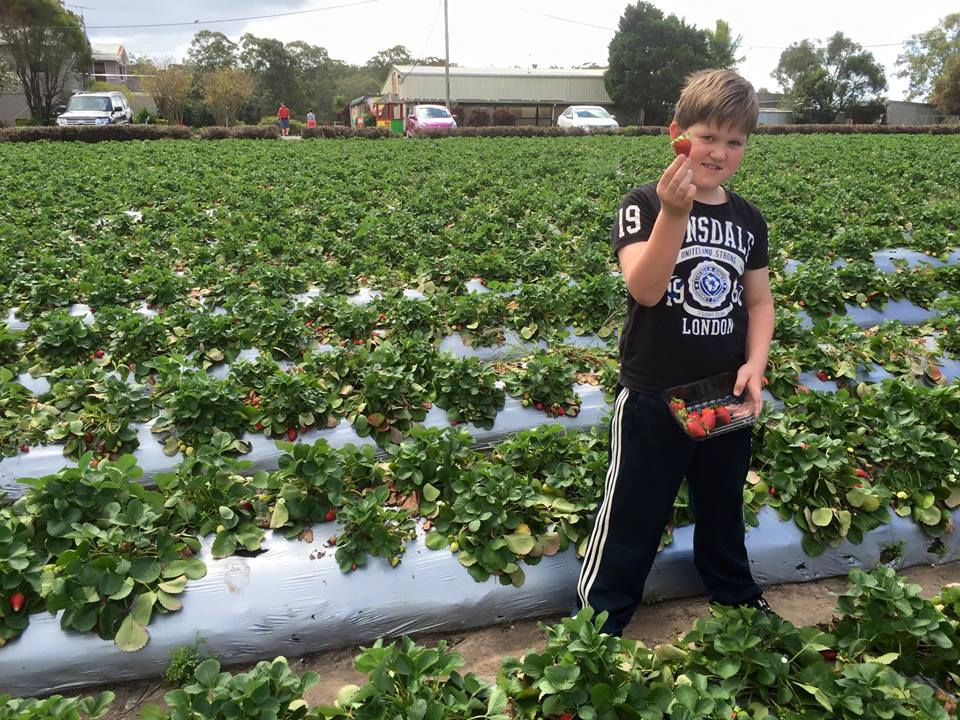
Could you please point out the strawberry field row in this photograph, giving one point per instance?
(90, 540)
(887, 652)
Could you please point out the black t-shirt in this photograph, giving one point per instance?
(699, 327)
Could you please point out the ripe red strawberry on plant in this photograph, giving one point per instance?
(330, 516)
(291, 434)
(17, 600)
(822, 375)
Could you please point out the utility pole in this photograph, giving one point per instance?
(446, 43)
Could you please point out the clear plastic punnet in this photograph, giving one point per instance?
(706, 408)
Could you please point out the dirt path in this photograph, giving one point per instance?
(484, 649)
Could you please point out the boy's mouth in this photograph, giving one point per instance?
(711, 166)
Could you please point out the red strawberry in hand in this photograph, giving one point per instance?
(17, 600)
(682, 144)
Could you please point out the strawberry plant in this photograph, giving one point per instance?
(872, 690)
(97, 412)
(390, 399)
(113, 563)
(425, 466)
(570, 468)
(10, 354)
(585, 673)
(468, 390)
(56, 706)
(598, 305)
(405, 677)
(60, 339)
(883, 619)
(478, 318)
(131, 338)
(290, 403)
(21, 565)
(208, 494)
(762, 660)
(538, 310)
(193, 406)
(362, 468)
(307, 488)
(210, 338)
(409, 317)
(270, 690)
(273, 328)
(545, 381)
(23, 420)
(494, 522)
(369, 528)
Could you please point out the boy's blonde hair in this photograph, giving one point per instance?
(721, 97)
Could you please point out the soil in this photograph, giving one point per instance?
(484, 649)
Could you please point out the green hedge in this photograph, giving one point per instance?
(90, 133)
(241, 132)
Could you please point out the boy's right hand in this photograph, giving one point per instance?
(675, 189)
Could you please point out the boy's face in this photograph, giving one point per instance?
(715, 155)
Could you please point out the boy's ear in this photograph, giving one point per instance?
(674, 129)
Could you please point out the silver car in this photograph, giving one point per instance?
(96, 108)
(587, 117)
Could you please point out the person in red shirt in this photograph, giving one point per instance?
(284, 114)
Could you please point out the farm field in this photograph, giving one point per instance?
(353, 344)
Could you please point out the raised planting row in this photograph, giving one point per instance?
(382, 387)
(92, 540)
(887, 653)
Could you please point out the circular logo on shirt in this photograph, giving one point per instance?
(709, 284)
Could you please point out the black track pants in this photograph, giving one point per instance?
(649, 457)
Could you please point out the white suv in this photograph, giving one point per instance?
(96, 108)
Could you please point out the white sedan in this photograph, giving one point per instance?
(586, 117)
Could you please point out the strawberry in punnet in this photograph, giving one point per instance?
(709, 418)
(723, 415)
(291, 434)
(696, 429)
(682, 144)
(17, 600)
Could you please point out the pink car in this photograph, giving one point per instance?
(429, 117)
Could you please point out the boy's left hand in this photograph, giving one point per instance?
(749, 383)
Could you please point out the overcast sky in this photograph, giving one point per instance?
(506, 33)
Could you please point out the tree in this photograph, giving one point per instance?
(397, 55)
(47, 43)
(211, 51)
(170, 87)
(650, 58)
(823, 81)
(226, 92)
(317, 75)
(946, 88)
(931, 56)
(6, 76)
(275, 76)
(721, 46)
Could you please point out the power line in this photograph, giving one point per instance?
(195, 22)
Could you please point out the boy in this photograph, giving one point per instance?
(694, 258)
